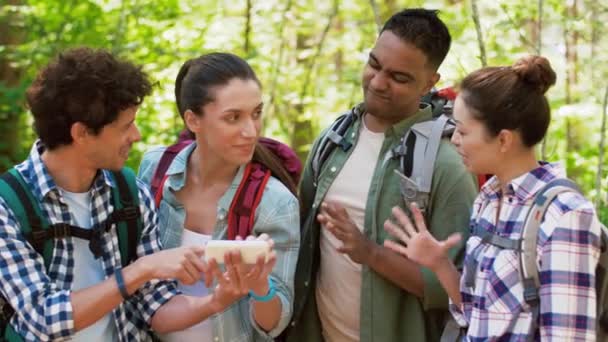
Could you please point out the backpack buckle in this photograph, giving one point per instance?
(38, 237)
(530, 292)
(6, 310)
(61, 230)
(95, 244)
(130, 213)
(127, 213)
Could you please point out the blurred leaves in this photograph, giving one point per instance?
(306, 85)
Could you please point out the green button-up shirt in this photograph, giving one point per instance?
(388, 313)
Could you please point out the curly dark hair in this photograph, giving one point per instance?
(83, 85)
(423, 29)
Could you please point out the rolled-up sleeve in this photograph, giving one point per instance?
(280, 219)
(155, 293)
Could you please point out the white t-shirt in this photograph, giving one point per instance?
(88, 271)
(203, 331)
(338, 289)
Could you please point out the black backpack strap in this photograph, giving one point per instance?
(126, 214)
(335, 137)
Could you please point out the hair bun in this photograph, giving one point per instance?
(536, 71)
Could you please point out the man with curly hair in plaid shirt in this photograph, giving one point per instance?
(84, 106)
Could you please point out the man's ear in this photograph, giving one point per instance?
(79, 132)
(431, 83)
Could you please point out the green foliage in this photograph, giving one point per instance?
(309, 77)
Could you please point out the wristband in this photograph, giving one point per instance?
(120, 281)
(271, 292)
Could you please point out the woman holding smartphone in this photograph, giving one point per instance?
(501, 115)
(219, 98)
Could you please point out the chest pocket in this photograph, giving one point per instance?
(171, 222)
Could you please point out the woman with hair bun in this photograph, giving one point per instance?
(501, 114)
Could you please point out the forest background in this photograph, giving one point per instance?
(309, 56)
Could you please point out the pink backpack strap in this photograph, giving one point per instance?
(159, 177)
(247, 198)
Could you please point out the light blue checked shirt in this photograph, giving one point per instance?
(277, 215)
(41, 299)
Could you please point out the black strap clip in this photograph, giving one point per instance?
(95, 243)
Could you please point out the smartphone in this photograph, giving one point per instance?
(250, 250)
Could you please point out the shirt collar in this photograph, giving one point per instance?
(178, 169)
(424, 113)
(37, 175)
(527, 185)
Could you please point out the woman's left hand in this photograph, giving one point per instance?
(417, 243)
(256, 276)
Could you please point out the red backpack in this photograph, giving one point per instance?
(249, 193)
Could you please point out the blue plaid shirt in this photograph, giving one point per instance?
(41, 299)
(568, 251)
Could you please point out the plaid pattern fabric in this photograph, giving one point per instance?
(568, 251)
(41, 299)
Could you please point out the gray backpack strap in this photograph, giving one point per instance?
(542, 200)
(528, 266)
(452, 331)
(423, 172)
(428, 135)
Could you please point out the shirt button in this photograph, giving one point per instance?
(305, 284)
(293, 324)
(333, 169)
(352, 135)
(216, 338)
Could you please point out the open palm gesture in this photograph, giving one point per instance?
(417, 243)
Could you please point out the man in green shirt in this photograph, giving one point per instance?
(348, 286)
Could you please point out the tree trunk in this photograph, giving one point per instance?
(248, 28)
(482, 47)
(302, 127)
(377, 17)
(11, 35)
(570, 38)
(272, 106)
(600, 163)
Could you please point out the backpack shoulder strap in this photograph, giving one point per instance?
(418, 153)
(422, 172)
(601, 281)
(335, 136)
(19, 199)
(528, 266)
(164, 163)
(16, 194)
(542, 200)
(125, 198)
(241, 214)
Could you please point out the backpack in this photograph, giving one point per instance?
(241, 213)
(417, 149)
(40, 233)
(526, 246)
